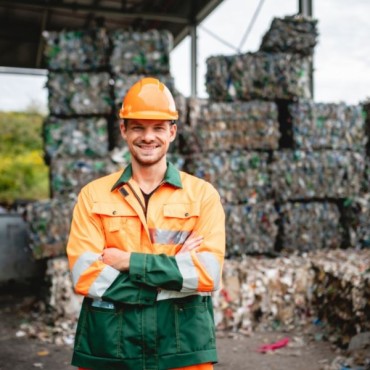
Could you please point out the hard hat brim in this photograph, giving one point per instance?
(152, 115)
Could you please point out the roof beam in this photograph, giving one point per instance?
(75, 7)
(210, 6)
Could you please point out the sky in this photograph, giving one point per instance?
(341, 59)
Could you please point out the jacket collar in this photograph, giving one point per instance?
(172, 176)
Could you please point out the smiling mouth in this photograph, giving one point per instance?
(148, 147)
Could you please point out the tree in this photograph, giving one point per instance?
(23, 173)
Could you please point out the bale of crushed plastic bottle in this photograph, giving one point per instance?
(229, 126)
(78, 50)
(250, 228)
(328, 125)
(141, 52)
(75, 137)
(298, 174)
(48, 226)
(68, 176)
(79, 93)
(239, 176)
(310, 225)
(291, 34)
(356, 215)
(260, 75)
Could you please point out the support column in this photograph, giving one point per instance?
(193, 63)
(305, 9)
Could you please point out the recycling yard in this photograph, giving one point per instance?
(292, 173)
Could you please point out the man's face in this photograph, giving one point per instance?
(148, 140)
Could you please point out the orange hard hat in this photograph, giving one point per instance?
(149, 99)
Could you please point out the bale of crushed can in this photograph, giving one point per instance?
(328, 126)
(239, 176)
(302, 174)
(260, 75)
(356, 213)
(309, 226)
(79, 93)
(236, 125)
(291, 34)
(141, 52)
(250, 229)
(75, 137)
(342, 291)
(48, 226)
(79, 50)
(68, 176)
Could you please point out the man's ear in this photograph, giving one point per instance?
(173, 131)
(122, 128)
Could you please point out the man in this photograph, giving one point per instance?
(146, 249)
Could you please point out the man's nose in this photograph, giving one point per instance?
(148, 134)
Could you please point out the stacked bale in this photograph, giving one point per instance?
(292, 34)
(257, 75)
(272, 77)
(314, 179)
(89, 74)
(290, 172)
(228, 145)
(136, 55)
(326, 165)
(76, 131)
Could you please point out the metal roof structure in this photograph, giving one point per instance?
(23, 21)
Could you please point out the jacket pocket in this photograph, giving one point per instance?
(194, 323)
(182, 210)
(181, 217)
(121, 224)
(98, 331)
(109, 332)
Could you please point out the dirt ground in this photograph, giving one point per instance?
(236, 352)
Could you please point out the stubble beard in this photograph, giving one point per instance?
(149, 161)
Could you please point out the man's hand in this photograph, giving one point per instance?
(193, 242)
(116, 258)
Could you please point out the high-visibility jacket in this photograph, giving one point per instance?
(157, 315)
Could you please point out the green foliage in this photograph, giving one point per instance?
(23, 174)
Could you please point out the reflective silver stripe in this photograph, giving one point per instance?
(173, 294)
(161, 236)
(209, 261)
(103, 282)
(188, 272)
(84, 261)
